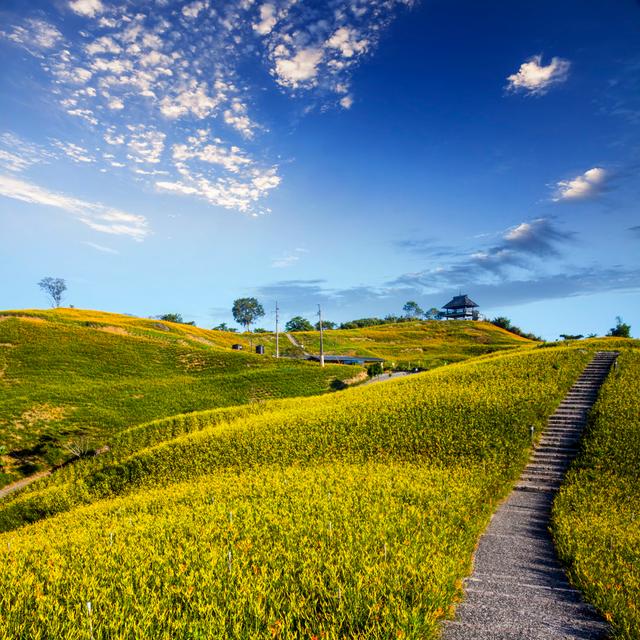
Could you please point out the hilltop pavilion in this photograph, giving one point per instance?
(460, 308)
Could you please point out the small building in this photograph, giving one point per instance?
(330, 359)
(260, 349)
(461, 308)
(236, 347)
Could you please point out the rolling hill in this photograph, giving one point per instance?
(344, 515)
(70, 378)
(421, 344)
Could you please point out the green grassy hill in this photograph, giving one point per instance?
(75, 377)
(70, 376)
(422, 344)
(345, 515)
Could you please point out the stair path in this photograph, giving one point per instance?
(518, 589)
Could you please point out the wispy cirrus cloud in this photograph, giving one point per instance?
(535, 78)
(97, 216)
(582, 187)
(289, 259)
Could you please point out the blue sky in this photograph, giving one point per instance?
(166, 156)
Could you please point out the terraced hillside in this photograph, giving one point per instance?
(349, 515)
(422, 344)
(77, 377)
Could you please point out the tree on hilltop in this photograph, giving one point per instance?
(621, 330)
(298, 323)
(175, 317)
(326, 324)
(54, 288)
(412, 309)
(433, 314)
(246, 311)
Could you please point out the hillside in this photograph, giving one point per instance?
(290, 518)
(422, 344)
(349, 515)
(75, 377)
(70, 376)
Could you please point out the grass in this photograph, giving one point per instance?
(424, 345)
(74, 376)
(596, 516)
(352, 515)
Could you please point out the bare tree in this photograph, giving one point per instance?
(54, 288)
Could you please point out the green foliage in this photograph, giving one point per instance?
(433, 314)
(175, 317)
(298, 323)
(223, 327)
(326, 324)
(568, 336)
(596, 516)
(246, 311)
(412, 309)
(505, 323)
(54, 288)
(375, 369)
(621, 330)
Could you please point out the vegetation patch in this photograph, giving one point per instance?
(596, 516)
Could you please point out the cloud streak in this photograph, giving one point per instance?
(97, 216)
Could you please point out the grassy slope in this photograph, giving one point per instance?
(67, 375)
(596, 516)
(70, 374)
(353, 515)
(420, 344)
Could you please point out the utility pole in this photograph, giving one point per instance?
(277, 334)
(321, 337)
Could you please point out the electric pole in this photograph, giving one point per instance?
(321, 337)
(277, 334)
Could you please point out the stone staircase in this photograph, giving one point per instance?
(518, 589)
(558, 444)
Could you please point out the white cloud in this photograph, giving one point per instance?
(589, 184)
(145, 144)
(101, 248)
(105, 44)
(95, 215)
(298, 69)
(289, 259)
(232, 158)
(534, 78)
(34, 35)
(77, 153)
(87, 8)
(194, 99)
(346, 41)
(16, 154)
(346, 102)
(116, 104)
(192, 10)
(267, 19)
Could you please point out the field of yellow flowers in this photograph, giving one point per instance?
(597, 513)
(344, 516)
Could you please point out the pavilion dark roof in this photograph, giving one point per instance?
(460, 302)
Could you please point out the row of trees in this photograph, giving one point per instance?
(247, 310)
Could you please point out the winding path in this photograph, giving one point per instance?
(518, 589)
